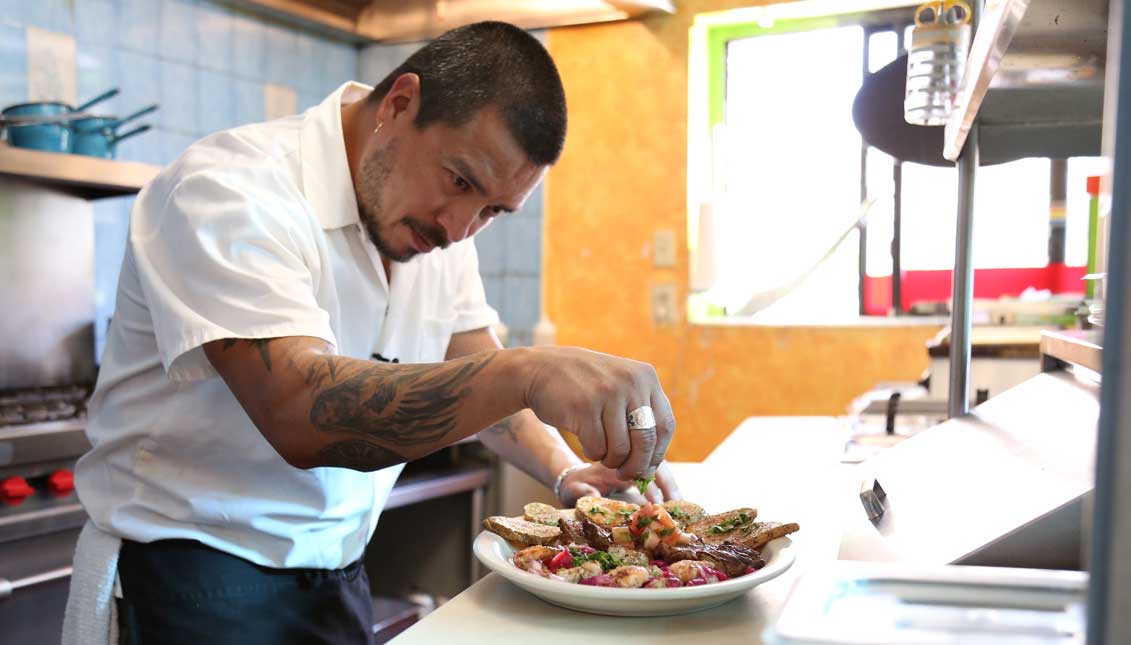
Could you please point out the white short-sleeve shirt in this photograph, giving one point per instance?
(253, 233)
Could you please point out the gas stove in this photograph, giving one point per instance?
(41, 438)
(36, 405)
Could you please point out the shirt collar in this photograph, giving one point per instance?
(326, 178)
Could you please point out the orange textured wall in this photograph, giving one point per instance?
(621, 178)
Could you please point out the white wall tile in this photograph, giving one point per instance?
(51, 66)
(278, 101)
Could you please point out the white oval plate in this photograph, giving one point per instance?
(495, 553)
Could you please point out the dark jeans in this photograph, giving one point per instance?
(182, 592)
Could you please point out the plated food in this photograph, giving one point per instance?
(608, 543)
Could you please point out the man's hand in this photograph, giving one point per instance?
(590, 395)
(599, 481)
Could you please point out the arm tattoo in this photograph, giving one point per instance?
(504, 427)
(357, 454)
(399, 405)
(260, 343)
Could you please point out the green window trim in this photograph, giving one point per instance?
(719, 36)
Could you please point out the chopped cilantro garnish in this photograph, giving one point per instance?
(643, 484)
(644, 520)
(607, 560)
(666, 532)
(677, 513)
(731, 524)
(596, 510)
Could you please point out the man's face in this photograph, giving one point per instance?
(423, 189)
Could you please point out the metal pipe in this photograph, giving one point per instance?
(897, 213)
(897, 239)
(962, 294)
(862, 227)
(1110, 537)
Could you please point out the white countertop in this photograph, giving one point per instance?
(786, 467)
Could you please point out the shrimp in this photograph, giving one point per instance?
(526, 558)
(629, 556)
(687, 570)
(577, 574)
(629, 576)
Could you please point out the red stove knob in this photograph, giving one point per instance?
(14, 490)
(61, 482)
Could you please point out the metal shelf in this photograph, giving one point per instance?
(418, 487)
(1034, 80)
(87, 177)
(1078, 347)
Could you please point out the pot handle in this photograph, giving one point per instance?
(138, 130)
(98, 99)
(141, 112)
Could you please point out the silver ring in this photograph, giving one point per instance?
(641, 418)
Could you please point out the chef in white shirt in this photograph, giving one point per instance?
(300, 313)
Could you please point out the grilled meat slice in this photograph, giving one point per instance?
(599, 537)
(731, 559)
(572, 533)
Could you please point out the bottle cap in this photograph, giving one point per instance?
(1093, 185)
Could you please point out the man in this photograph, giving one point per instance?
(244, 438)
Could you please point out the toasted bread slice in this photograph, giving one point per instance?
(684, 512)
(765, 531)
(540, 513)
(517, 529)
(729, 526)
(605, 512)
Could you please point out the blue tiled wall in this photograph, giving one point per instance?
(510, 249)
(203, 62)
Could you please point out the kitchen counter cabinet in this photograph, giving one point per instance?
(786, 467)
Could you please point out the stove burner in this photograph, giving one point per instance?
(42, 404)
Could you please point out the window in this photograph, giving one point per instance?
(789, 164)
(773, 148)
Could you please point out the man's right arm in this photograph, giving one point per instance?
(320, 409)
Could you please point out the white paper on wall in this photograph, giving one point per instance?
(278, 101)
(51, 66)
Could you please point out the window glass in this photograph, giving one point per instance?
(790, 158)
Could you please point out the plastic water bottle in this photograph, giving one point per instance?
(940, 42)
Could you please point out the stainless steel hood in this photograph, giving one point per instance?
(366, 21)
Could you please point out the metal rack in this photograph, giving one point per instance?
(1062, 112)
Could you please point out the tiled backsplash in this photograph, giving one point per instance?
(208, 66)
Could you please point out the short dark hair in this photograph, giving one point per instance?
(489, 64)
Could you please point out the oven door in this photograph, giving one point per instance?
(35, 576)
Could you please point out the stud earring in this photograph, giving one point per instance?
(378, 128)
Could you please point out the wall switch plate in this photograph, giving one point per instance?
(665, 309)
(663, 249)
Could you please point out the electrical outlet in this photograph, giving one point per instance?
(665, 309)
(663, 249)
